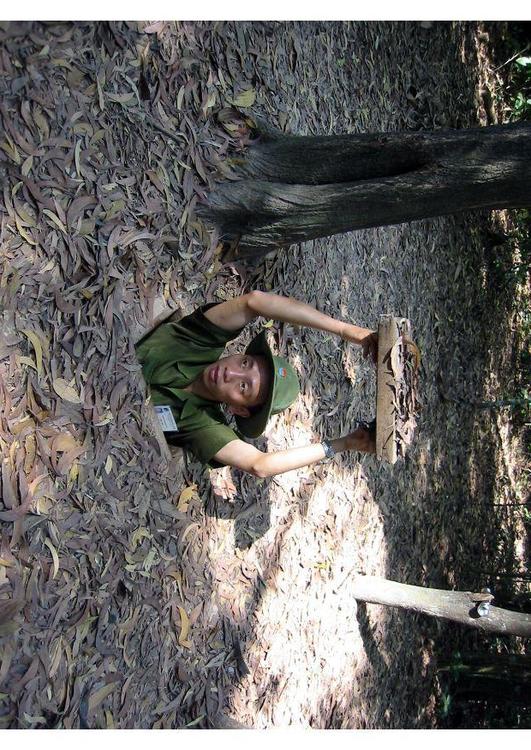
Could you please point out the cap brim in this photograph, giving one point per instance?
(254, 425)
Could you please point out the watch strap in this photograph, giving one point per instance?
(328, 449)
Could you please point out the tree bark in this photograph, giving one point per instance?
(449, 605)
(296, 188)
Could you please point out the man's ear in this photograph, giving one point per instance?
(240, 411)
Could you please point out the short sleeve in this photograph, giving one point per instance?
(205, 443)
(201, 329)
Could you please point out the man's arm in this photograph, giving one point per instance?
(238, 312)
(243, 456)
(233, 314)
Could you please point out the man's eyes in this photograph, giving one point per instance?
(247, 363)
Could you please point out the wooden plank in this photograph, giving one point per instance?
(389, 331)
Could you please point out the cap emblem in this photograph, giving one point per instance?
(282, 372)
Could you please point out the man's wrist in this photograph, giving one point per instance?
(350, 332)
(353, 333)
(329, 450)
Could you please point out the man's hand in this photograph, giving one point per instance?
(370, 346)
(363, 439)
(364, 337)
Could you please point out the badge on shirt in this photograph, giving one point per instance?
(167, 422)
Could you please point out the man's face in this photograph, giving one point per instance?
(241, 380)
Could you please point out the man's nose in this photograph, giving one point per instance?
(233, 371)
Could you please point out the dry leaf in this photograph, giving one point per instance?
(25, 235)
(72, 476)
(30, 448)
(34, 339)
(154, 28)
(34, 719)
(65, 391)
(64, 442)
(55, 556)
(186, 496)
(105, 418)
(68, 461)
(27, 166)
(245, 99)
(100, 695)
(395, 359)
(222, 484)
(28, 361)
(138, 535)
(414, 349)
(185, 629)
(121, 98)
(11, 150)
(56, 220)
(56, 654)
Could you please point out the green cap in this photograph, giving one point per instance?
(283, 391)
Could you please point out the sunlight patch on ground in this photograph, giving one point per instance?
(304, 652)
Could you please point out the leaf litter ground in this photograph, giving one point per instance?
(141, 592)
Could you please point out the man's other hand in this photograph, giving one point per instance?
(364, 337)
(370, 346)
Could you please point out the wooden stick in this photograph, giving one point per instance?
(389, 331)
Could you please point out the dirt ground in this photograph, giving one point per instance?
(126, 603)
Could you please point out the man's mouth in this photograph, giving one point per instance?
(214, 373)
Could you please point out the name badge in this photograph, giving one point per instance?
(167, 422)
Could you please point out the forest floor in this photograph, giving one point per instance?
(137, 592)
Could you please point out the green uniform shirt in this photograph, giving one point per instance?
(172, 355)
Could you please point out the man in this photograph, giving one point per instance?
(188, 381)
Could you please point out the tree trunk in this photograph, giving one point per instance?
(449, 605)
(297, 188)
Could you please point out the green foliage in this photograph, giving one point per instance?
(518, 91)
(445, 705)
(521, 87)
(485, 690)
(509, 260)
(511, 255)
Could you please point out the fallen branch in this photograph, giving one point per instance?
(458, 606)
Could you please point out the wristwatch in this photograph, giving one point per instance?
(328, 449)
